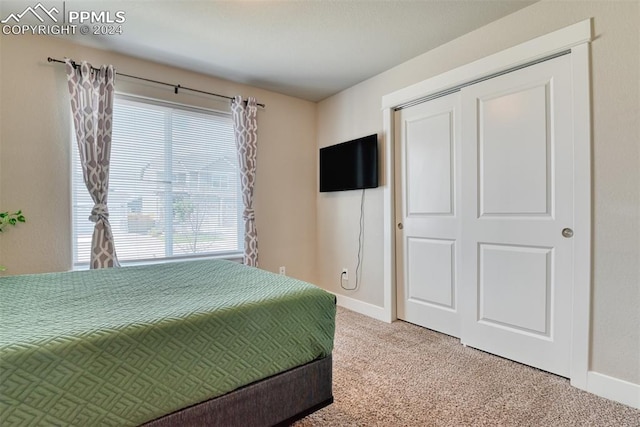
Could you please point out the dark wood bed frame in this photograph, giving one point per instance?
(275, 401)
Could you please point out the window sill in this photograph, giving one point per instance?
(235, 257)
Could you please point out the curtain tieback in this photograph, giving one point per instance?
(99, 211)
(248, 214)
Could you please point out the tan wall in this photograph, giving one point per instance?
(356, 112)
(35, 154)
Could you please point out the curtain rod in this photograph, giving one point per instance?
(176, 88)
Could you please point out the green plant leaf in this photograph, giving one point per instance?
(7, 218)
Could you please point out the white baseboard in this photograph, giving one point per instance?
(613, 388)
(365, 308)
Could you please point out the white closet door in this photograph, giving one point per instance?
(428, 214)
(517, 215)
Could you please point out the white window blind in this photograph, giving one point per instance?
(174, 187)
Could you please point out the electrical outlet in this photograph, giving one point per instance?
(345, 274)
(283, 270)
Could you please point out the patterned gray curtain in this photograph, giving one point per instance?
(245, 126)
(91, 93)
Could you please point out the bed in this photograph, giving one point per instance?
(190, 343)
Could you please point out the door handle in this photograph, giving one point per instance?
(400, 226)
(567, 232)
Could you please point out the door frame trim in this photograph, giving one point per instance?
(575, 37)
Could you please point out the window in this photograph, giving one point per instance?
(174, 189)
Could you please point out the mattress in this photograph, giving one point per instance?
(123, 346)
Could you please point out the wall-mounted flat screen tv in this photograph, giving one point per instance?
(351, 165)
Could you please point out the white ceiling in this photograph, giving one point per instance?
(308, 49)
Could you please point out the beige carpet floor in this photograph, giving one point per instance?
(402, 375)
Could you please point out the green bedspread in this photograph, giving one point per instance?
(124, 346)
